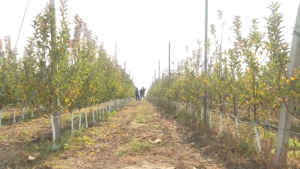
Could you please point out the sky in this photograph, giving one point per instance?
(143, 28)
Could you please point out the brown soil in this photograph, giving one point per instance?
(136, 121)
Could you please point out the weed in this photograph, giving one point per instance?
(157, 126)
(95, 132)
(133, 147)
(24, 135)
(143, 118)
(243, 146)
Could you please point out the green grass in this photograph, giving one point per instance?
(157, 126)
(133, 147)
(143, 118)
(44, 148)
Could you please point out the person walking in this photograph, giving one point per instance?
(144, 89)
(137, 96)
(142, 93)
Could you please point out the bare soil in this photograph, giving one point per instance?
(115, 148)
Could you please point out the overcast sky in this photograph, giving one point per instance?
(143, 28)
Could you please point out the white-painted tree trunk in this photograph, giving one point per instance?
(109, 108)
(99, 111)
(257, 139)
(210, 124)
(202, 113)
(32, 115)
(57, 118)
(221, 127)
(86, 119)
(72, 121)
(79, 123)
(93, 115)
(52, 127)
(14, 115)
(54, 121)
(237, 127)
(23, 113)
(56, 126)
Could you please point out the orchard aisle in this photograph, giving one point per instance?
(136, 137)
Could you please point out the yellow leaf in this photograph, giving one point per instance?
(292, 78)
(249, 71)
(287, 82)
(92, 153)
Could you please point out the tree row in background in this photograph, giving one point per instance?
(59, 71)
(248, 80)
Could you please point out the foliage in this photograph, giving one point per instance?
(59, 71)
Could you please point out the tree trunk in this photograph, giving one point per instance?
(23, 113)
(79, 119)
(72, 121)
(102, 110)
(93, 115)
(52, 127)
(97, 112)
(237, 127)
(14, 115)
(202, 113)
(269, 114)
(109, 108)
(210, 124)
(257, 139)
(54, 119)
(220, 122)
(86, 119)
(56, 124)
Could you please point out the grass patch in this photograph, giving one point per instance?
(133, 147)
(143, 118)
(24, 135)
(108, 115)
(95, 132)
(43, 148)
(157, 126)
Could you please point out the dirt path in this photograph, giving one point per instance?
(136, 137)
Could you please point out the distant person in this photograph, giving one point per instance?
(142, 92)
(137, 96)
